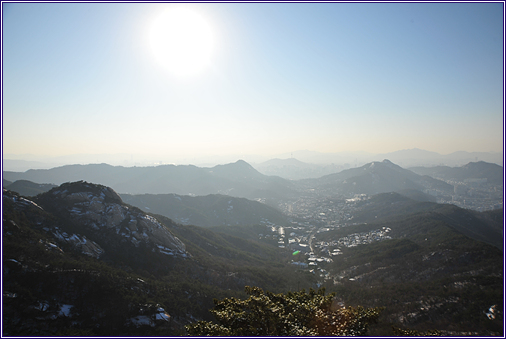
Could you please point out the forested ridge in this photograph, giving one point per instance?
(429, 278)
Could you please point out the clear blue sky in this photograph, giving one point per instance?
(81, 78)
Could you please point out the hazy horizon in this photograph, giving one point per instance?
(265, 79)
(411, 157)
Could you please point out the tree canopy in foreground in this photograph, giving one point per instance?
(291, 314)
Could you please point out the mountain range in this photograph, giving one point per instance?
(241, 180)
(238, 179)
(405, 158)
(482, 226)
(493, 173)
(314, 164)
(79, 260)
(422, 262)
(318, 160)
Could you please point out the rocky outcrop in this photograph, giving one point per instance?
(80, 242)
(100, 208)
(97, 209)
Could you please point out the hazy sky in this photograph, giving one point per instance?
(83, 78)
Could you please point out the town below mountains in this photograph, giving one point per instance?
(476, 185)
(92, 250)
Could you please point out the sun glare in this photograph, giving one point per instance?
(181, 41)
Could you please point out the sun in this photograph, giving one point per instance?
(181, 40)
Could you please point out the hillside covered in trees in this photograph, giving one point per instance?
(78, 260)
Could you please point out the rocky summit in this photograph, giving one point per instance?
(98, 210)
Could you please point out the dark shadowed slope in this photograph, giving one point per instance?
(209, 210)
(481, 226)
(28, 188)
(79, 248)
(6, 183)
(417, 195)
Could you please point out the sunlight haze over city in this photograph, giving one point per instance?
(177, 81)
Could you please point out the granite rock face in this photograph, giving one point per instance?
(99, 207)
(80, 242)
(92, 216)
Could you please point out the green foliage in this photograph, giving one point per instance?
(291, 314)
(107, 293)
(428, 276)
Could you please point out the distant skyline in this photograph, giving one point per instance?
(403, 158)
(83, 78)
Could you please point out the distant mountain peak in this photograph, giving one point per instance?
(383, 163)
(378, 177)
(240, 168)
(242, 163)
(239, 164)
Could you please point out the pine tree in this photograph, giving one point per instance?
(291, 314)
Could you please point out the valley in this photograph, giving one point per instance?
(252, 169)
(377, 236)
